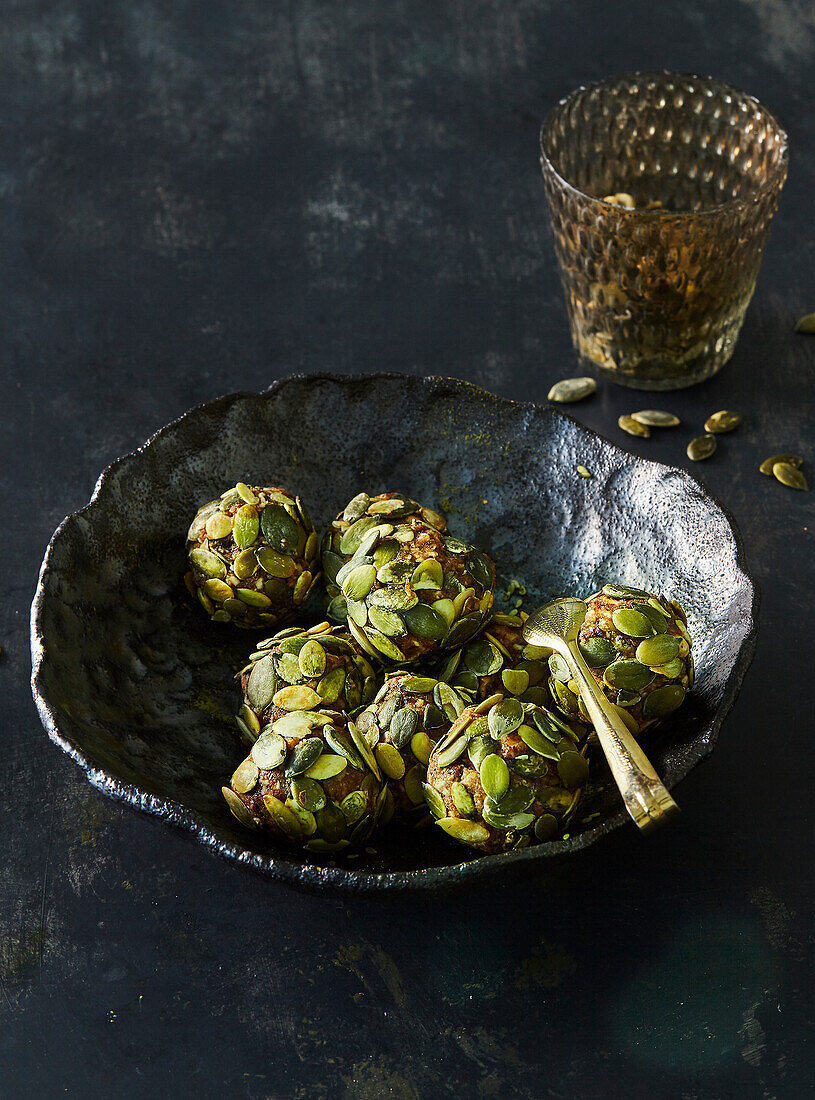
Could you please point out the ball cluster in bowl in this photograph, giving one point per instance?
(415, 700)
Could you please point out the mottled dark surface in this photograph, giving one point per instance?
(201, 198)
(135, 684)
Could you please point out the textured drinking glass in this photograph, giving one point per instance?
(656, 293)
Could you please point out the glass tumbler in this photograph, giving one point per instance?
(661, 189)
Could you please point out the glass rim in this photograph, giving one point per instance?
(775, 181)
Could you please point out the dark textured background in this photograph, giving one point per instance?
(201, 197)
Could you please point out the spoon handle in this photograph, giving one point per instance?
(645, 796)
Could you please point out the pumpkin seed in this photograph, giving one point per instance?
(389, 760)
(353, 806)
(584, 471)
(494, 775)
(385, 552)
(312, 660)
(418, 685)
(421, 746)
(218, 526)
(297, 697)
(462, 800)
(262, 683)
(305, 818)
(628, 674)
(308, 794)
(208, 564)
(597, 652)
(358, 582)
(624, 592)
(238, 809)
(449, 749)
(434, 801)
(326, 766)
(505, 717)
(331, 686)
(468, 832)
(701, 448)
(363, 748)
(663, 700)
(245, 527)
(788, 475)
(296, 724)
(671, 670)
(403, 725)
(302, 756)
(342, 746)
(245, 493)
(569, 390)
(515, 680)
(633, 623)
(655, 418)
(217, 590)
(806, 324)
(481, 568)
(269, 751)
(428, 574)
(766, 466)
(517, 799)
(393, 598)
(302, 587)
(658, 650)
(384, 645)
(546, 827)
(478, 748)
(573, 769)
(493, 816)
(356, 507)
(424, 622)
(282, 816)
(245, 776)
(537, 742)
(722, 421)
(633, 427)
(279, 529)
(331, 823)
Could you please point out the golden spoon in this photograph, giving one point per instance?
(646, 798)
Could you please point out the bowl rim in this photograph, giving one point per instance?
(339, 879)
(775, 181)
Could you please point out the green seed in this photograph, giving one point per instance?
(403, 725)
(449, 749)
(282, 816)
(245, 493)
(393, 598)
(806, 324)
(354, 806)
(219, 525)
(630, 675)
(559, 668)
(238, 808)
(633, 623)
(425, 622)
(515, 680)
(308, 794)
(331, 823)
(655, 418)
(584, 471)
(663, 700)
(341, 744)
(633, 427)
(658, 650)
(546, 827)
(434, 801)
(722, 421)
(359, 582)
(494, 775)
(597, 652)
(217, 590)
(479, 747)
(388, 623)
(624, 592)
(326, 766)
(245, 776)
(468, 832)
(389, 760)
(274, 564)
(331, 686)
(701, 447)
(517, 799)
(413, 784)
(481, 569)
(788, 475)
(252, 598)
(312, 659)
(269, 751)
(418, 685)
(569, 390)
(493, 816)
(421, 746)
(208, 564)
(279, 529)
(671, 670)
(537, 742)
(245, 529)
(297, 697)
(262, 683)
(766, 466)
(573, 769)
(305, 818)
(305, 753)
(505, 717)
(384, 645)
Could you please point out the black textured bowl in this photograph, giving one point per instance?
(135, 684)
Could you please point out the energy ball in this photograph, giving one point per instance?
(402, 726)
(638, 648)
(321, 667)
(500, 660)
(505, 774)
(408, 590)
(254, 556)
(310, 780)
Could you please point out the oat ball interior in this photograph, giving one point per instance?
(310, 780)
(505, 775)
(320, 668)
(407, 590)
(409, 715)
(253, 555)
(639, 650)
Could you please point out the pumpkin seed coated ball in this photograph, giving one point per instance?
(402, 725)
(311, 781)
(499, 659)
(407, 589)
(639, 650)
(319, 668)
(506, 774)
(254, 556)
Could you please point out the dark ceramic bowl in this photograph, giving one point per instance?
(135, 684)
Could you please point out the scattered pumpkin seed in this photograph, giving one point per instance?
(722, 421)
(569, 390)
(546, 827)
(656, 418)
(584, 471)
(633, 427)
(766, 466)
(701, 447)
(789, 475)
(806, 324)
